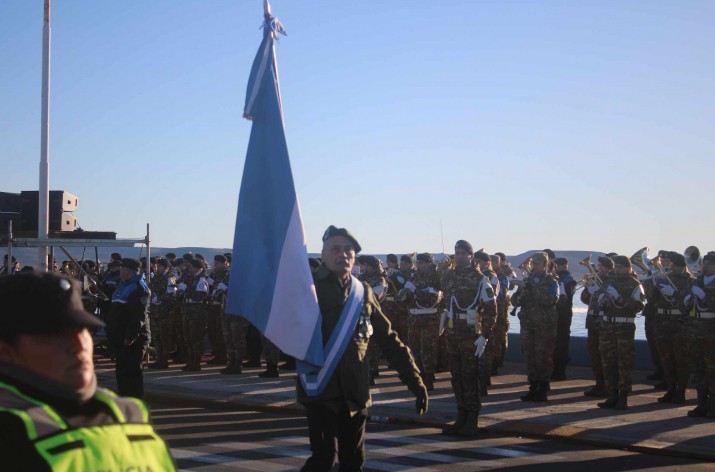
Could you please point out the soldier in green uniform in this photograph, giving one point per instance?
(372, 274)
(194, 289)
(471, 312)
(501, 328)
(163, 298)
(620, 299)
(537, 296)
(484, 262)
(216, 301)
(589, 296)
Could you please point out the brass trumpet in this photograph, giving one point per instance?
(640, 259)
(525, 266)
(591, 276)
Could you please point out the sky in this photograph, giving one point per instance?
(517, 125)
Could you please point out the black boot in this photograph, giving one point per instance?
(702, 407)
(270, 372)
(622, 403)
(611, 400)
(540, 392)
(458, 424)
(668, 397)
(679, 396)
(598, 390)
(530, 395)
(470, 427)
(232, 369)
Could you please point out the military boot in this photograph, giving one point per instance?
(611, 400)
(270, 372)
(470, 427)
(668, 397)
(622, 403)
(679, 396)
(232, 369)
(598, 390)
(702, 408)
(530, 394)
(191, 367)
(711, 407)
(458, 424)
(540, 392)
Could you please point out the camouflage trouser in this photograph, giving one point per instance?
(593, 326)
(215, 331)
(618, 349)
(177, 314)
(162, 330)
(464, 368)
(673, 349)
(499, 338)
(234, 336)
(270, 351)
(537, 345)
(194, 324)
(701, 339)
(423, 334)
(397, 315)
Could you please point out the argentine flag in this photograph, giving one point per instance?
(271, 283)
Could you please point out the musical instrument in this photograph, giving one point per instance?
(590, 277)
(640, 259)
(693, 260)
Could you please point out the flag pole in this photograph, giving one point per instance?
(43, 196)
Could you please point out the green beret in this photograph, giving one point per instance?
(333, 231)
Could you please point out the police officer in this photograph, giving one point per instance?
(128, 327)
(564, 310)
(537, 297)
(53, 417)
(470, 305)
(337, 413)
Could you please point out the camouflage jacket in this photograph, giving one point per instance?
(218, 285)
(197, 287)
(427, 286)
(631, 299)
(379, 286)
(466, 288)
(592, 300)
(709, 288)
(537, 299)
(163, 288)
(683, 284)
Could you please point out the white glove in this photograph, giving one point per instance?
(222, 286)
(698, 292)
(154, 298)
(688, 298)
(593, 288)
(182, 286)
(481, 344)
(611, 290)
(410, 286)
(666, 290)
(602, 299)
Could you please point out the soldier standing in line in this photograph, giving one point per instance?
(163, 298)
(399, 279)
(423, 296)
(589, 296)
(484, 262)
(371, 274)
(564, 309)
(621, 298)
(235, 329)
(501, 337)
(194, 288)
(217, 278)
(537, 296)
(672, 335)
(471, 312)
(650, 313)
(701, 334)
(390, 306)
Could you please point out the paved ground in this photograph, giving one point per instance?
(647, 425)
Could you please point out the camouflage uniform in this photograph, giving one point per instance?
(486, 361)
(193, 316)
(395, 311)
(423, 322)
(700, 332)
(467, 291)
(537, 299)
(379, 287)
(617, 331)
(500, 336)
(163, 298)
(234, 330)
(219, 277)
(672, 336)
(593, 328)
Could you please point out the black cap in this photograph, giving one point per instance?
(170, 255)
(392, 258)
(425, 257)
(219, 258)
(663, 253)
(561, 261)
(116, 256)
(622, 260)
(132, 264)
(41, 303)
(188, 256)
(333, 231)
(606, 262)
(462, 244)
(501, 255)
(677, 259)
(482, 256)
(709, 257)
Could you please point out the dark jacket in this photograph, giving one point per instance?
(128, 319)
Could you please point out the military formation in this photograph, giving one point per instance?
(455, 315)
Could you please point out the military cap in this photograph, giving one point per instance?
(663, 253)
(170, 255)
(677, 259)
(372, 261)
(709, 257)
(199, 257)
(606, 262)
(313, 262)
(622, 260)
(392, 258)
(551, 254)
(163, 262)
(406, 258)
(129, 263)
(333, 231)
(425, 257)
(41, 303)
(540, 257)
(561, 261)
(481, 256)
(219, 258)
(196, 263)
(188, 256)
(464, 245)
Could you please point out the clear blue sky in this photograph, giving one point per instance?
(518, 124)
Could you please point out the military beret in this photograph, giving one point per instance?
(41, 303)
(561, 261)
(550, 253)
(219, 258)
(162, 262)
(677, 259)
(406, 258)
(709, 257)
(464, 245)
(188, 256)
(606, 262)
(481, 256)
(197, 264)
(425, 257)
(333, 231)
(199, 257)
(132, 264)
(392, 258)
(170, 255)
(663, 253)
(116, 256)
(371, 261)
(539, 257)
(622, 260)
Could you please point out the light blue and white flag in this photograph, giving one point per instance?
(271, 283)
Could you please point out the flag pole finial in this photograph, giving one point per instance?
(266, 9)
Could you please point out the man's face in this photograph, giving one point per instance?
(562, 267)
(708, 268)
(462, 257)
(538, 267)
(620, 269)
(422, 266)
(405, 266)
(602, 269)
(218, 265)
(339, 255)
(483, 264)
(64, 357)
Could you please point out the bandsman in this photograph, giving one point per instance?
(484, 263)
(218, 286)
(501, 334)
(193, 289)
(163, 298)
(589, 296)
